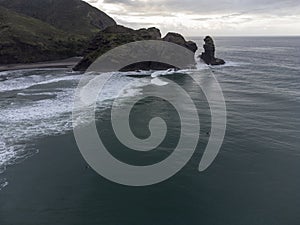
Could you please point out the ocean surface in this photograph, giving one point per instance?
(253, 181)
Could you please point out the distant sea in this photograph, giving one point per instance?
(253, 181)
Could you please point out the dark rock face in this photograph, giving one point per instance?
(208, 56)
(179, 39)
(147, 66)
(115, 36)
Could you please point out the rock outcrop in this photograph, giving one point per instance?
(208, 56)
(115, 36)
(179, 39)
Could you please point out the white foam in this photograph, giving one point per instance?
(4, 73)
(202, 66)
(3, 183)
(20, 82)
(137, 73)
(16, 84)
(5, 155)
(55, 80)
(158, 82)
(36, 94)
(163, 73)
(23, 121)
(12, 154)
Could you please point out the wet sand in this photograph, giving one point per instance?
(65, 63)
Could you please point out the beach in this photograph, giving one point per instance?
(65, 63)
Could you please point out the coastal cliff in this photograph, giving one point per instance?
(119, 35)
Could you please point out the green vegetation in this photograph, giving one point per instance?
(72, 16)
(43, 30)
(24, 39)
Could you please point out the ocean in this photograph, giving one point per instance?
(254, 179)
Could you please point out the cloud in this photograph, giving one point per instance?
(204, 6)
(219, 17)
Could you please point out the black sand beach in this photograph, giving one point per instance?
(65, 63)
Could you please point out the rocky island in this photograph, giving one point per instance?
(208, 56)
(115, 36)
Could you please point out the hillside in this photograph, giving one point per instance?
(24, 39)
(43, 30)
(72, 16)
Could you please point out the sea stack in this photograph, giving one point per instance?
(208, 56)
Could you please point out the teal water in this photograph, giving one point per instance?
(254, 179)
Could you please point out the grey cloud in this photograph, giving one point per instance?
(255, 15)
(207, 7)
(150, 13)
(128, 3)
(219, 17)
(92, 1)
(224, 6)
(136, 24)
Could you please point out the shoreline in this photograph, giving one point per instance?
(64, 63)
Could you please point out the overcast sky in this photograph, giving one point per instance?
(201, 17)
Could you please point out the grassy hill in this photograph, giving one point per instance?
(73, 16)
(24, 39)
(43, 30)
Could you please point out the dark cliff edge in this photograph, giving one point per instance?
(115, 36)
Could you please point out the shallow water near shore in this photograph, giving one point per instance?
(254, 180)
